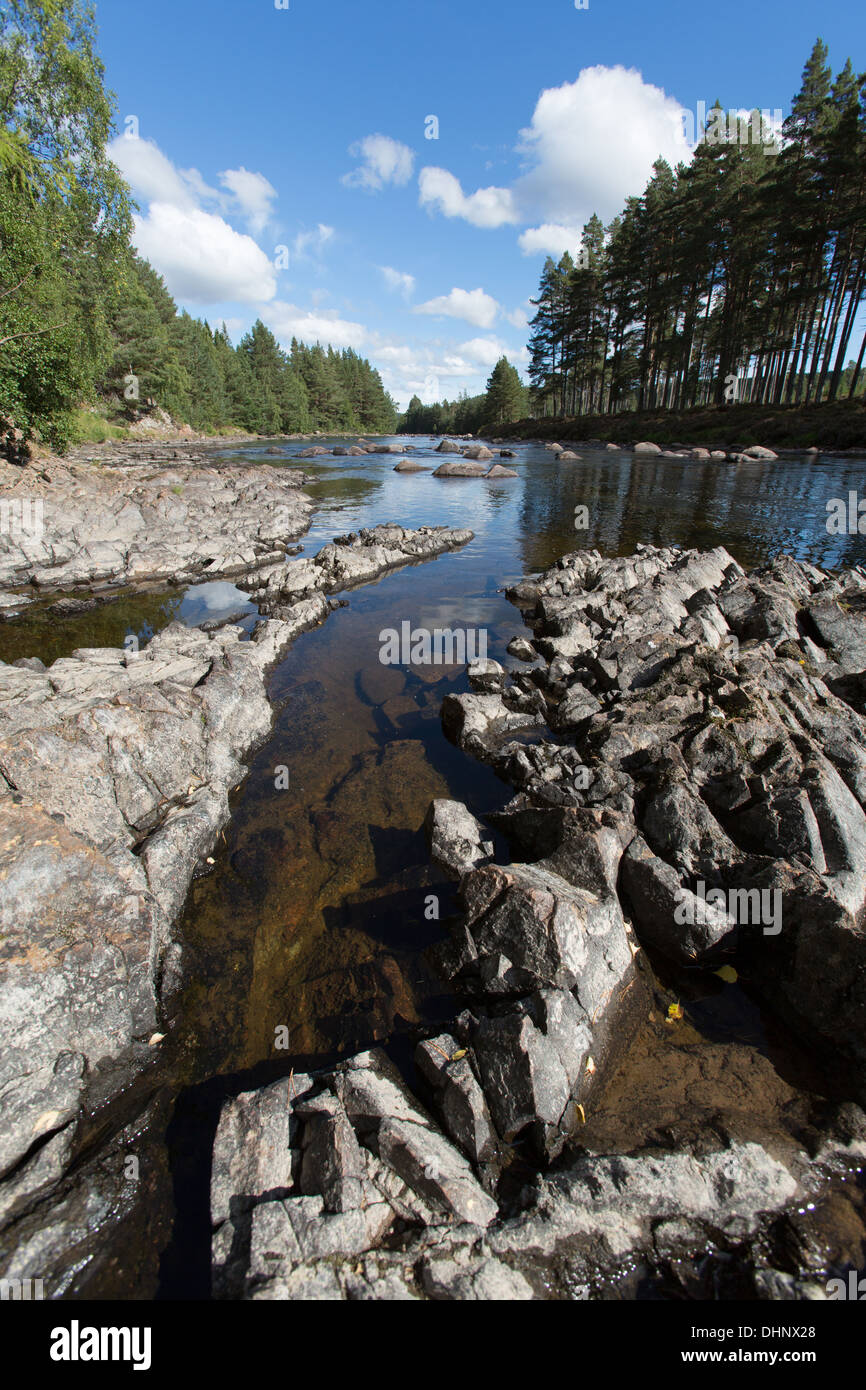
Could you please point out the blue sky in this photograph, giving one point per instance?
(244, 128)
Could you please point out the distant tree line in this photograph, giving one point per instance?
(82, 318)
(196, 374)
(735, 277)
(504, 400)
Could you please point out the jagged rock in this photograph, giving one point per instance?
(611, 1201)
(486, 1280)
(522, 649)
(478, 451)
(435, 1170)
(486, 675)
(332, 1166)
(457, 841)
(252, 1151)
(350, 560)
(448, 447)
(458, 1097)
(530, 1073)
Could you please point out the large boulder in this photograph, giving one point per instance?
(464, 469)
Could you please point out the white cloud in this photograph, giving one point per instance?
(289, 321)
(153, 177)
(488, 207)
(202, 258)
(593, 143)
(398, 280)
(519, 317)
(551, 238)
(200, 255)
(383, 161)
(474, 306)
(252, 193)
(590, 144)
(311, 243)
(487, 351)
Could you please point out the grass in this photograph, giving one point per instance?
(89, 428)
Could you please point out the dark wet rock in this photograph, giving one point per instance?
(522, 649)
(458, 1097)
(486, 675)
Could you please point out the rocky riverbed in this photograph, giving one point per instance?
(686, 748)
(115, 772)
(84, 525)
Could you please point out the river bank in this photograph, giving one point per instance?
(832, 426)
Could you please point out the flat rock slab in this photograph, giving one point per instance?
(146, 522)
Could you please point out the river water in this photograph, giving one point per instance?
(308, 937)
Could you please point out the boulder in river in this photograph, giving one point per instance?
(464, 469)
